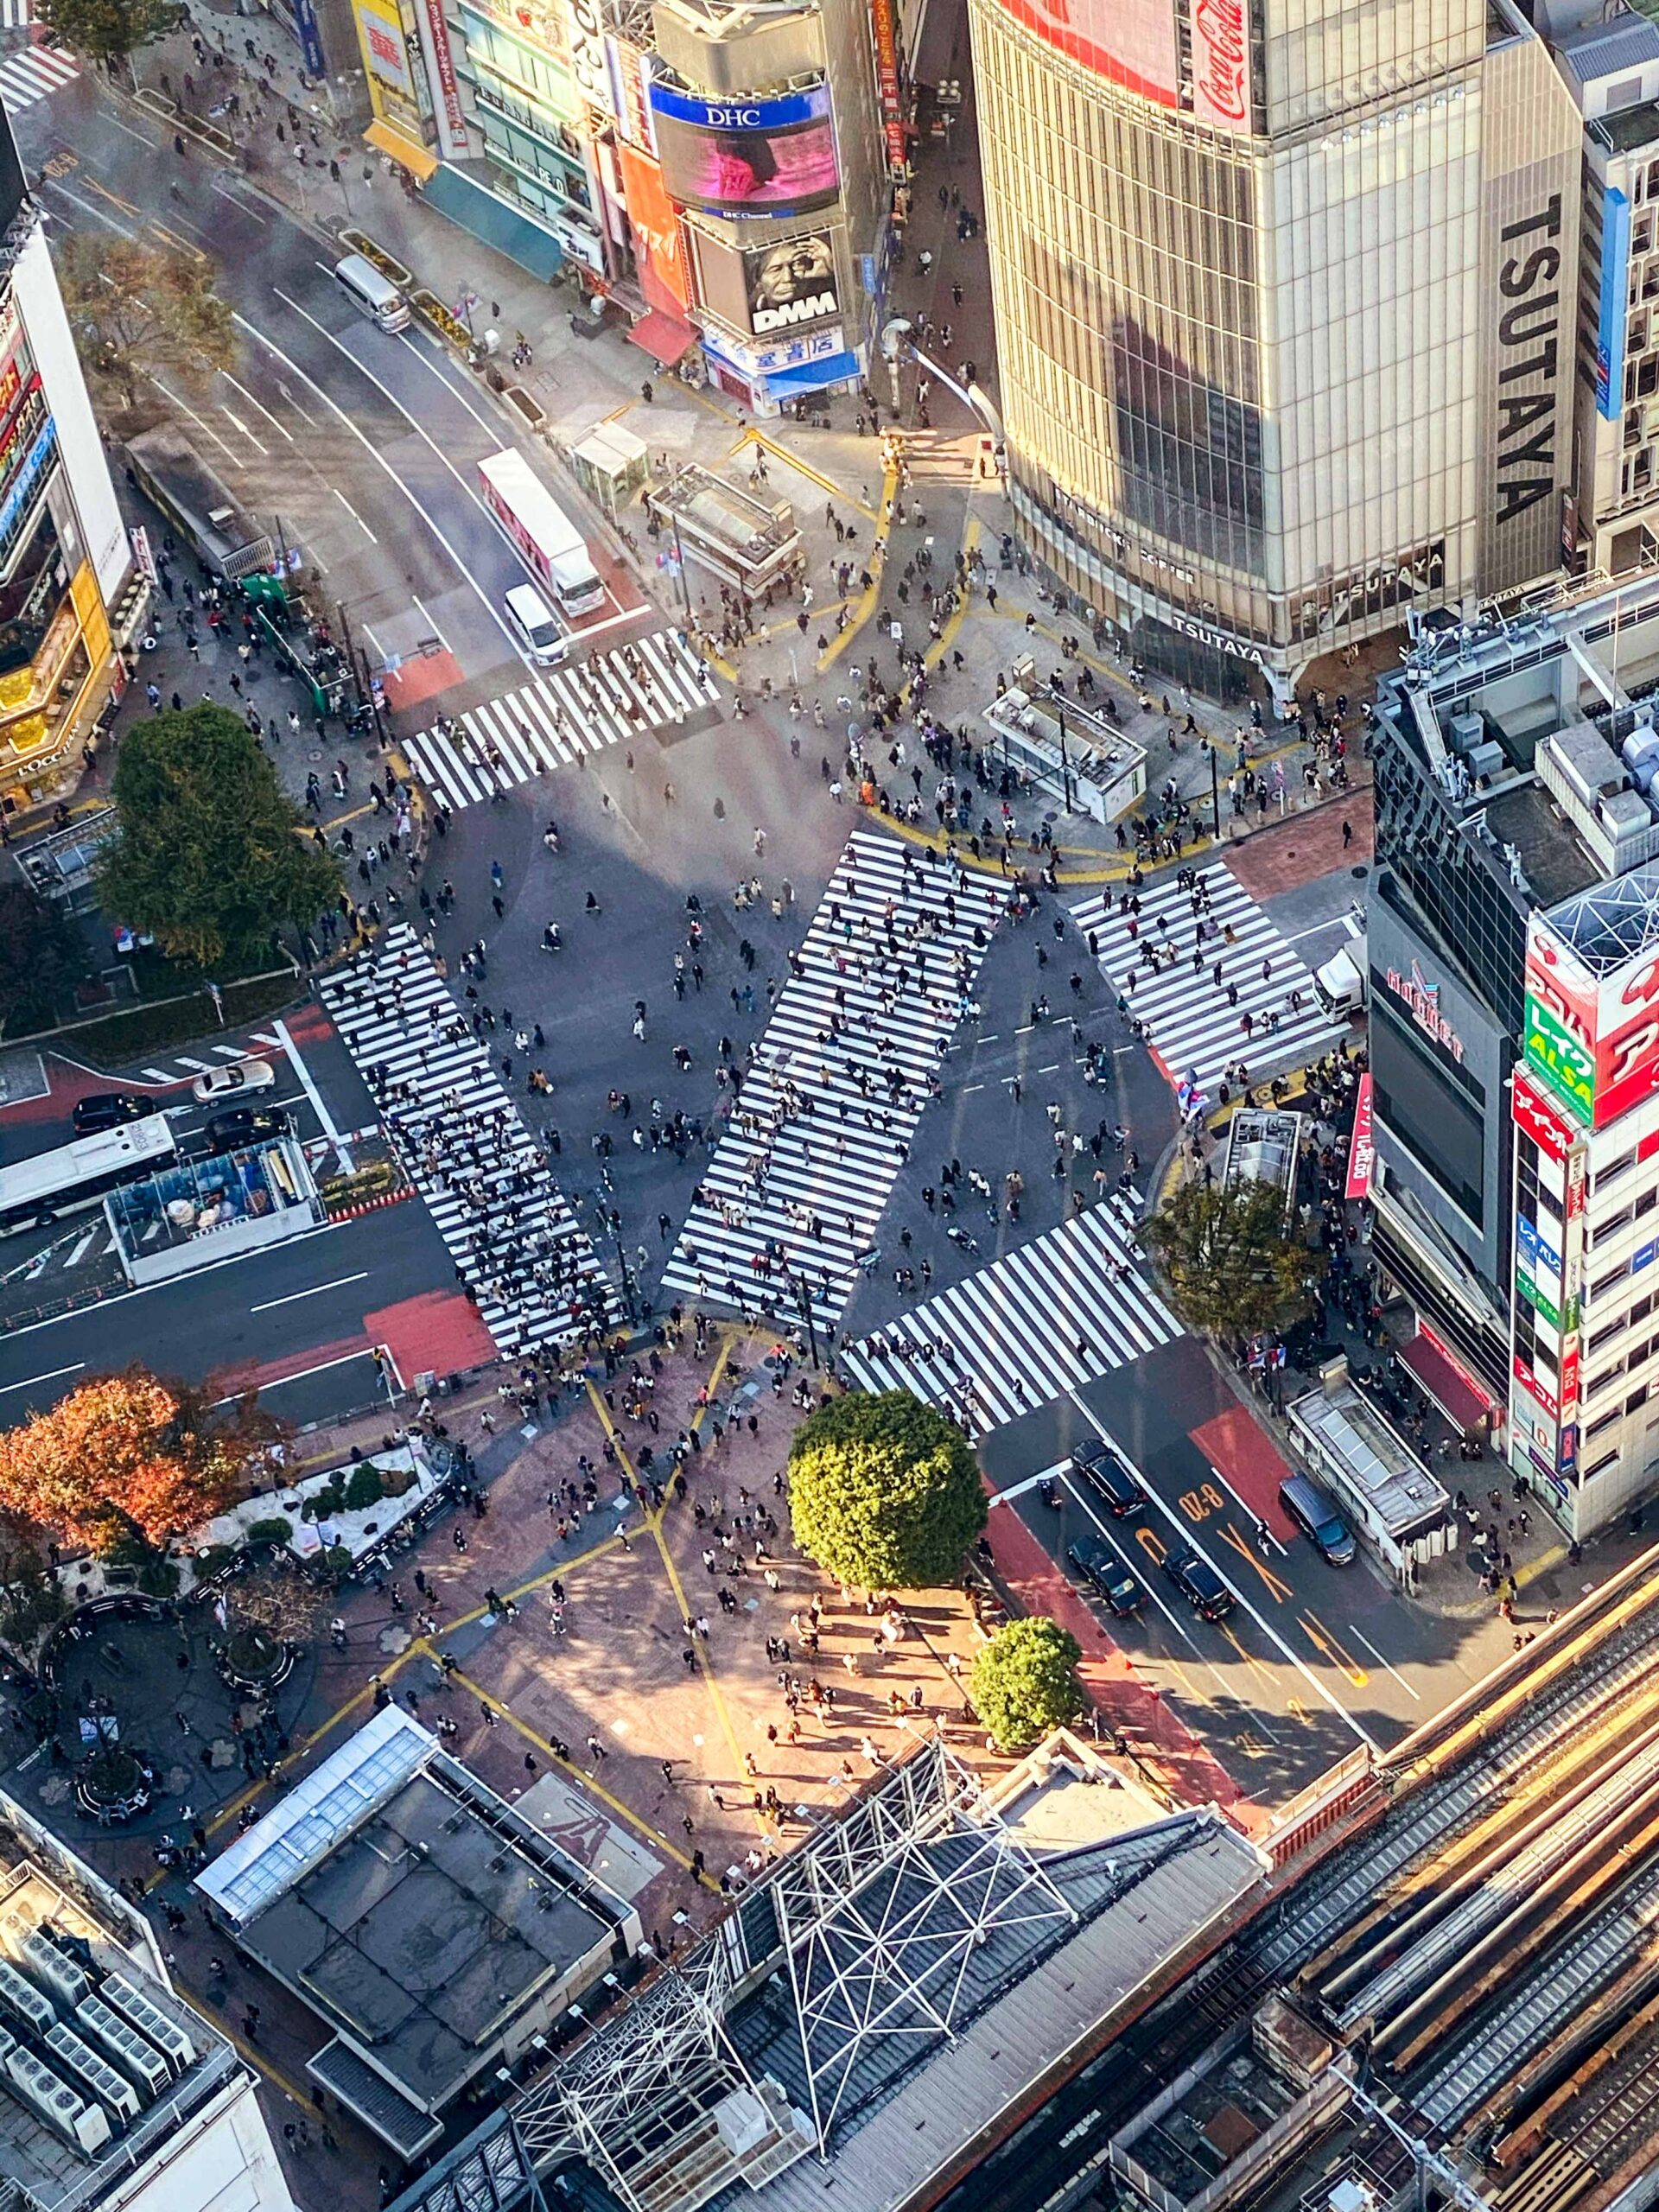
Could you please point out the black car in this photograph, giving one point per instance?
(1199, 1584)
(109, 1110)
(245, 1125)
(1107, 1476)
(1106, 1575)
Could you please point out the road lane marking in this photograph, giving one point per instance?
(263, 450)
(354, 515)
(1190, 1537)
(422, 356)
(1135, 1566)
(315, 1291)
(1019, 1489)
(430, 618)
(254, 400)
(293, 369)
(86, 207)
(1258, 1520)
(50, 1375)
(1322, 1639)
(324, 1119)
(1381, 1661)
(167, 392)
(1277, 1589)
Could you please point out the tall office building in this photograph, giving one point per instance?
(66, 565)
(1285, 305)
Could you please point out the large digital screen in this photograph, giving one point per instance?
(1131, 43)
(748, 157)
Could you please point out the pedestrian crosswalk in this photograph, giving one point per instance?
(1264, 1011)
(561, 716)
(514, 1241)
(849, 1062)
(16, 15)
(1060, 1311)
(30, 73)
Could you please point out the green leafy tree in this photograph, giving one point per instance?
(106, 30)
(1025, 1681)
(138, 309)
(884, 1493)
(42, 960)
(208, 858)
(1232, 1266)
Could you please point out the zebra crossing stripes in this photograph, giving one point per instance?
(849, 1060)
(30, 73)
(485, 1184)
(1058, 1311)
(1193, 1028)
(562, 715)
(16, 15)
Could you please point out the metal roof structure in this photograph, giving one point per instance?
(1612, 922)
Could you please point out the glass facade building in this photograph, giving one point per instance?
(1285, 295)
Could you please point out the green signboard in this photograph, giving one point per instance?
(1556, 1055)
(1526, 1284)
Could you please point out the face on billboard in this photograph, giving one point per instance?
(790, 283)
(755, 157)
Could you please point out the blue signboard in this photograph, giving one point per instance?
(784, 112)
(1614, 312)
(28, 476)
(305, 22)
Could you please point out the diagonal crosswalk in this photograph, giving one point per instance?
(1061, 1311)
(848, 1065)
(561, 716)
(30, 73)
(485, 1183)
(1196, 1028)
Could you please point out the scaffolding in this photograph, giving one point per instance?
(875, 1923)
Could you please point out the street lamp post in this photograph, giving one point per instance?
(803, 1299)
(1059, 705)
(1215, 790)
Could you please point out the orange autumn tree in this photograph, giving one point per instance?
(129, 1452)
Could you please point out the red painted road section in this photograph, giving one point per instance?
(1235, 1443)
(261, 1377)
(420, 678)
(1109, 1677)
(437, 1332)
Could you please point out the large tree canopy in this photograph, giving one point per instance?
(208, 859)
(884, 1493)
(1025, 1681)
(106, 30)
(1232, 1266)
(128, 1452)
(42, 960)
(139, 309)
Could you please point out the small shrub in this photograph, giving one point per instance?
(277, 1529)
(364, 1488)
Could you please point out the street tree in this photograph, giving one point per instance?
(130, 1456)
(137, 310)
(209, 858)
(1025, 1681)
(1232, 1265)
(107, 31)
(42, 960)
(884, 1491)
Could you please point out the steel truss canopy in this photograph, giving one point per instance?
(1612, 922)
(873, 1924)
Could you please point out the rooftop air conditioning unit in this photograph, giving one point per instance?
(93, 2075)
(20, 1999)
(139, 2060)
(64, 2114)
(48, 1967)
(149, 2020)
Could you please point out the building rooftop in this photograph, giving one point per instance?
(1401, 1492)
(1611, 50)
(1613, 922)
(100, 2063)
(413, 1910)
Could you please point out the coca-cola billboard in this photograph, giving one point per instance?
(1129, 42)
(1221, 63)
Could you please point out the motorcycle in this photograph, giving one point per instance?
(960, 1236)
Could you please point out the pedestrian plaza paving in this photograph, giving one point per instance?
(1192, 1029)
(563, 715)
(459, 1135)
(32, 72)
(849, 1060)
(1060, 1311)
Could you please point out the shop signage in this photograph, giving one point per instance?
(1362, 1151)
(589, 59)
(1530, 1382)
(1540, 1121)
(1553, 1052)
(1528, 1286)
(1529, 346)
(788, 284)
(1540, 1252)
(1613, 306)
(451, 118)
(1423, 1000)
(887, 72)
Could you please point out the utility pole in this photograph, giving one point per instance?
(1215, 790)
(1066, 761)
(803, 1299)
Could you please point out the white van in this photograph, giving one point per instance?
(1340, 985)
(372, 294)
(536, 623)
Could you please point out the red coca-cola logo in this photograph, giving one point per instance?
(1219, 31)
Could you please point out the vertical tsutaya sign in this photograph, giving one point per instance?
(886, 72)
(446, 86)
(1221, 63)
(1528, 352)
(1614, 305)
(589, 60)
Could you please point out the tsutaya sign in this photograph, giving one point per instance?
(1423, 998)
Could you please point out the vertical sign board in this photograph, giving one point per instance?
(441, 75)
(1361, 1150)
(1221, 63)
(886, 73)
(305, 21)
(1613, 310)
(590, 59)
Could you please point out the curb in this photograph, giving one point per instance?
(369, 1205)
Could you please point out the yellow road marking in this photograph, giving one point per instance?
(1321, 1638)
(1248, 1656)
(1279, 1589)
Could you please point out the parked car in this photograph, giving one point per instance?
(1318, 1520)
(1099, 1466)
(108, 1109)
(1199, 1584)
(1104, 1573)
(245, 1125)
(236, 1076)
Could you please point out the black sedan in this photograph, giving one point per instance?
(1199, 1584)
(109, 1110)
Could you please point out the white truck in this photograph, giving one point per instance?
(1340, 984)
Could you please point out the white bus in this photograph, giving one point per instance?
(540, 533)
(77, 1175)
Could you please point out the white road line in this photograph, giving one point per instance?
(98, 214)
(1381, 1661)
(433, 620)
(167, 393)
(426, 361)
(354, 515)
(300, 1374)
(324, 1119)
(372, 639)
(1143, 1576)
(1030, 1482)
(253, 399)
(148, 1289)
(1184, 1529)
(264, 450)
(314, 1291)
(50, 1375)
(293, 369)
(196, 1067)
(76, 1256)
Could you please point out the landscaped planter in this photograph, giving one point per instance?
(114, 1785)
(252, 1661)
